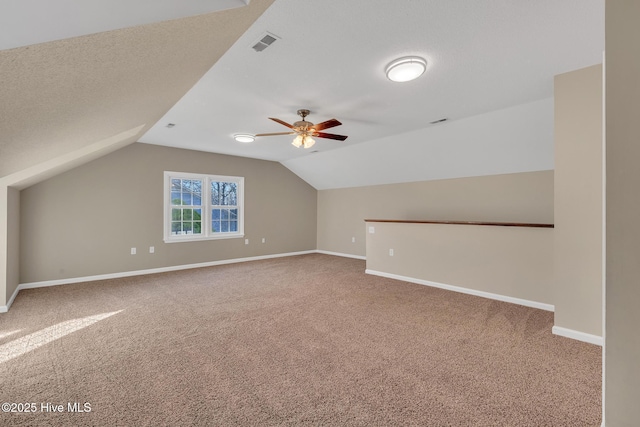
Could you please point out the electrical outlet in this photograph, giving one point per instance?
(372, 229)
(151, 249)
(390, 252)
(264, 240)
(246, 241)
(353, 240)
(133, 251)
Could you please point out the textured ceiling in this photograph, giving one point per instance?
(487, 58)
(62, 96)
(27, 22)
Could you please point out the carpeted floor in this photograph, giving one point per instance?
(306, 340)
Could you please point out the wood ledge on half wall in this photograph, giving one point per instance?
(499, 224)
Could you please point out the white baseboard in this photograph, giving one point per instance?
(577, 335)
(5, 308)
(342, 254)
(46, 283)
(498, 297)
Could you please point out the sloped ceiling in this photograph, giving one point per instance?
(28, 22)
(491, 68)
(61, 96)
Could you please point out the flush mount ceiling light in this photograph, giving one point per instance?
(406, 68)
(244, 137)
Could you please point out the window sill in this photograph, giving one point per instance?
(191, 238)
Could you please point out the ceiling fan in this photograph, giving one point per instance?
(305, 130)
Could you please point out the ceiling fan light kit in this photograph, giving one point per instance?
(303, 140)
(406, 69)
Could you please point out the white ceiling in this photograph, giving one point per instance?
(490, 72)
(483, 55)
(512, 140)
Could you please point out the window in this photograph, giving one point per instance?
(200, 207)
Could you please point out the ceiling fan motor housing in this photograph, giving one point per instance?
(302, 126)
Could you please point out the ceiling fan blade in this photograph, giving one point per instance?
(281, 122)
(277, 133)
(330, 136)
(328, 124)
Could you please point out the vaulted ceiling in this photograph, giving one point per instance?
(490, 72)
(61, 96)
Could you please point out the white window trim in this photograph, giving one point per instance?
(206, 208)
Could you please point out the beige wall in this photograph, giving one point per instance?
(521, 197)
(515, 262)
(9, 243)
(4, 245)
(84, 222)
(622, 340)
(13, 240)
(578, 200)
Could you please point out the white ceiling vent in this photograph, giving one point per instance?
(265, 41)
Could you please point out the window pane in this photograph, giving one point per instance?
(187, 227)
(233, 214)
(232, 194)
(176, 198)
(215, 214)
(215, 226)
(225, 226)
(197, 227)
(176, 228)
(197, 214)
(215, 193)
(187, 214)
(225, 214)
(175, 185)
(176, 214)
(224, 193)
(186, 198)
(196, 191)
(233, 226)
